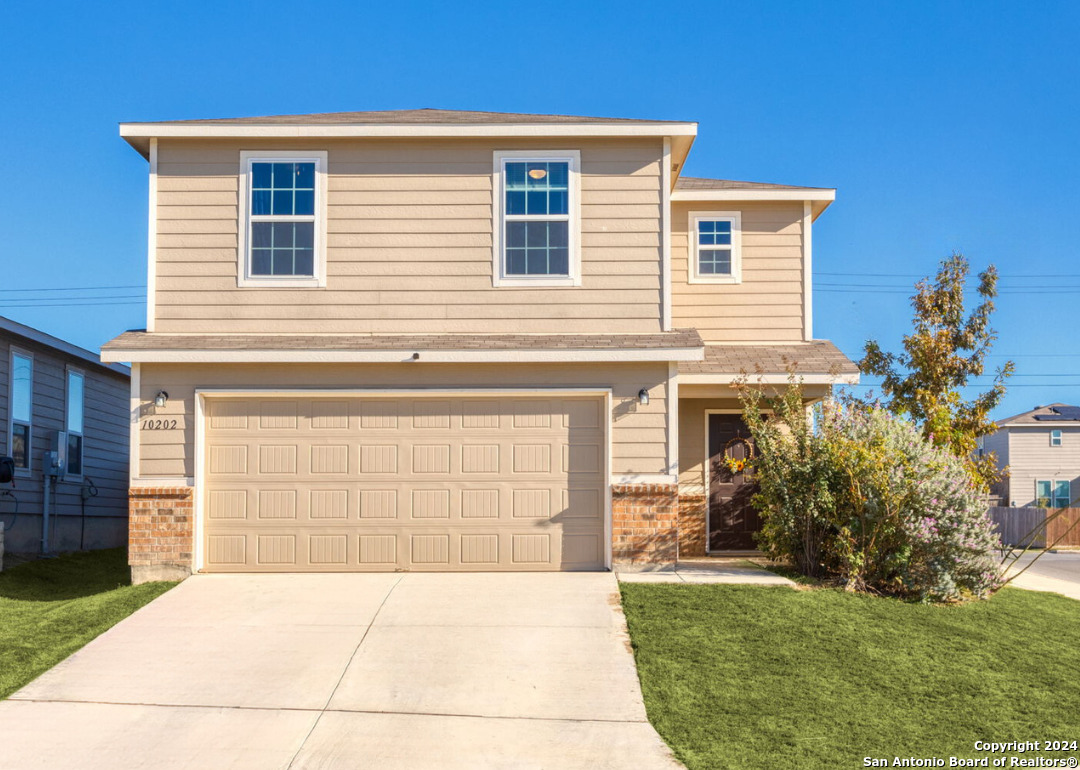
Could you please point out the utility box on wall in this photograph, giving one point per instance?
(56, 459)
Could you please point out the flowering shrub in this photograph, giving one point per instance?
(863, 497)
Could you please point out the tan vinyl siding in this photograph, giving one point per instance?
(1031, 459)
(105, 454)
(639, 433)
(768, 304)
(409, 233)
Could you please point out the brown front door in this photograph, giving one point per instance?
(732, 519)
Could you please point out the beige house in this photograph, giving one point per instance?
(440, 340)
(1041, 449)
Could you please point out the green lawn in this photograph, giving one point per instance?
(753, 677)
(52, 607)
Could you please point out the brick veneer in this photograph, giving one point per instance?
(692, 525)
(160, 528)
(644, 525)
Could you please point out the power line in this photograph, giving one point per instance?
(850, 274)
(4, 305)
(78, 288)
(1014, 385)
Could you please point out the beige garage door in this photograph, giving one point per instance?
(342, 484)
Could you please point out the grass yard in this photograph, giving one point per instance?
(52, 607)
(755, 677)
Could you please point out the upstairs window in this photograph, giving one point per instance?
(715, 247)
(76, 387)
(22, 409)
(1055, 437)
(537, 225)
(284, 228)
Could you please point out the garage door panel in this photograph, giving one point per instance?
(398, 483)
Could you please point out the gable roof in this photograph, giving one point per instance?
(1043, 415)
(427, 116)
(55, 343)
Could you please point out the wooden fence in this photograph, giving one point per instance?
(1015, 524)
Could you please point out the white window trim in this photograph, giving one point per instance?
(1053, 486)
(69, 371)
(28, 470)
(244, 279)
(498, 263)
(1055, 440)
(735, 217)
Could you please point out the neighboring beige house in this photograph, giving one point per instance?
(1041, 450)
(440, 340)
(56, 397)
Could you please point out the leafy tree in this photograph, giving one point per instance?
(947, 347)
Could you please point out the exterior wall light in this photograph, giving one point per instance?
(161, 399)
(643, 396)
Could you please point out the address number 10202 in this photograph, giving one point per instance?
(159, 424)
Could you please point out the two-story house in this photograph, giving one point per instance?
(1040, 449)
(441, 340)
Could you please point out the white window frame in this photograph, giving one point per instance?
(28, 470)
(69, 373)
(499, 277)
(1055, 437)
(244, 278)
(735, 217)
(1053, 486)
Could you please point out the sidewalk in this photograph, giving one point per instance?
(736, 571)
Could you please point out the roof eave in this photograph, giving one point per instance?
(418, 356)
(822, 195)
(138, 135)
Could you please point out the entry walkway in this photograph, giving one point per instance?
(707, 570)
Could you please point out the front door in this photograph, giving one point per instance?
(732, 519)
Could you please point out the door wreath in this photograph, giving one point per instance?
(738, 464)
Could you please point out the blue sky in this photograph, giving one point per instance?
(945, 126)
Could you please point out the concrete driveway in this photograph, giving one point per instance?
(347, 671)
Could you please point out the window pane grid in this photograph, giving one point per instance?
(537, 248)
(536, 212)
(282, 229)
(714, 261)
(715, 247)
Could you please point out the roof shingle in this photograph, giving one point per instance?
(141, 340)
(701, 183)
(426, 116)
(816, 357)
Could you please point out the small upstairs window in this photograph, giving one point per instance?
(1055, 437)
(715, 247)
(283, 232)
(537, 225)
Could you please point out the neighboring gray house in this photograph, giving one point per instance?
(1042, 451)
(51, 390)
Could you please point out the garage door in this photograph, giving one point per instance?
(368, 484)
